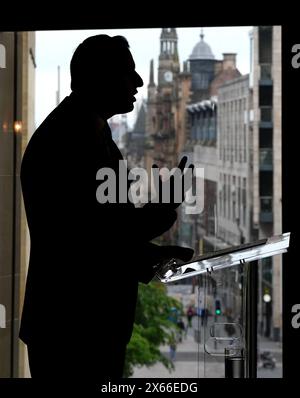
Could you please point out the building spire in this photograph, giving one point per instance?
(202, 34)
(151, 78)
(58, 86)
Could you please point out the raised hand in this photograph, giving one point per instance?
(171, 191)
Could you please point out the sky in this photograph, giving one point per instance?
(55, 48)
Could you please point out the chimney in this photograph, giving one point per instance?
(218, 67)
(229, 61)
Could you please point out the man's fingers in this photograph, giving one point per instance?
(189, 171)
(182, 163)
(187, 178)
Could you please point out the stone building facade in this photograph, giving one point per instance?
(234, 162)
(265, 86)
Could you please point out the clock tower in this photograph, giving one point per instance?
(166, 99)
(163, 119)
(168, 66)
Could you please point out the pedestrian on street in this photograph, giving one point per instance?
(173, 346)
(182, 329)
(190, 314)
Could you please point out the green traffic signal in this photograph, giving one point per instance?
(218, 312)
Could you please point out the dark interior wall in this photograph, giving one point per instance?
(10, 198)
(6, 197)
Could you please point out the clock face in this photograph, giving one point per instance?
(168, 76)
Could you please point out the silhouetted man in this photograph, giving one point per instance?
(86, 258)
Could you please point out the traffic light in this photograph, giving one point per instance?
(218, 307)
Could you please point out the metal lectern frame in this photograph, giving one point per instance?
(173, 270)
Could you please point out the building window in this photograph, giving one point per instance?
(198, 127)
(229, 198)
(244, 200)
(225, 196)
(245, 143)
(233, 193)
(265, 44)
(239, 198)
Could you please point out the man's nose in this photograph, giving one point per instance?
(139, 80)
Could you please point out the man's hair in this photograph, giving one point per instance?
(96, 57)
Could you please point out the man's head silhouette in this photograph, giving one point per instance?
(103, 74)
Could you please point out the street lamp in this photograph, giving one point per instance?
(267, 298)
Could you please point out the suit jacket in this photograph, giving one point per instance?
(86, 258)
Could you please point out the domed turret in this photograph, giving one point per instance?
(202, 50)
